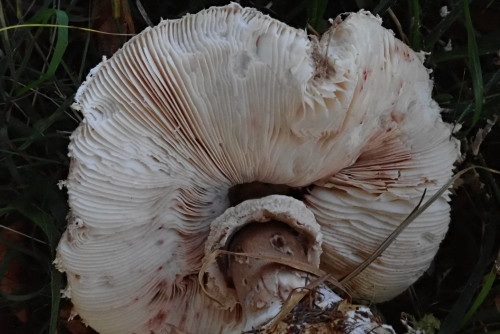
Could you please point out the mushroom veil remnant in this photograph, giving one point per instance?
(197, 108)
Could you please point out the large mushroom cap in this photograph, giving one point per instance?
(192, 107)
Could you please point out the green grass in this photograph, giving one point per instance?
(41, 68)
(474, 65)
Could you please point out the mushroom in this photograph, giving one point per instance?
(228, 100)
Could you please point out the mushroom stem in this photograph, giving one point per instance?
(275, 226)
(262, 286)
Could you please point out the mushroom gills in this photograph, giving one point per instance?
(230, 97)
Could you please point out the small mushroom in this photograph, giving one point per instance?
(192, 108)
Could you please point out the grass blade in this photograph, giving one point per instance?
(452, 322)
(5, 39)
(55, 287)
(59, 49)
(21, 298)
(442, 27)
(315, 13)
(383, 6)
(415, 37)
(38, 217)
(44, 124)
(48, 25)
(484, 48)
(22, 234)
(495, 79)
(485, 290)
(474, 65)
(31, 252)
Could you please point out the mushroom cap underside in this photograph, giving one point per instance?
(192, 107)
